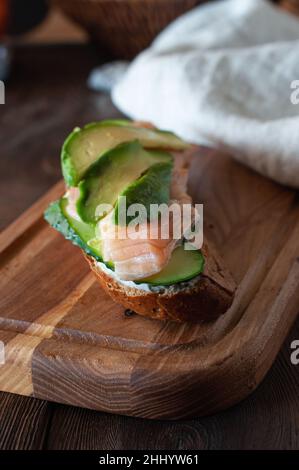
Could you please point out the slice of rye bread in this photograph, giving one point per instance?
(202, 299)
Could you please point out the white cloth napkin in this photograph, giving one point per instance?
(221, 75)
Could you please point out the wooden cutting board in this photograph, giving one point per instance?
(66, 341)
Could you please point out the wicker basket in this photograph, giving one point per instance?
(290, 5)
(124, 27)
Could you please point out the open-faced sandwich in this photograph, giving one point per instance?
(115, 172)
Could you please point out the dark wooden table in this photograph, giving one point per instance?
(46, 97)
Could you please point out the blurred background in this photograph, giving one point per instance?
(120, 27)
(47, 51)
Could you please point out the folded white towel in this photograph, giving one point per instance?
(222, 74)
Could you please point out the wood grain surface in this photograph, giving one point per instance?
(267, 419)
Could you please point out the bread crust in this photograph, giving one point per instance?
(201, 300)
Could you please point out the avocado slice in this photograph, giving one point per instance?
(152, 187)
(109, 176)
(85, 146)
(77, 232)
(184, 265)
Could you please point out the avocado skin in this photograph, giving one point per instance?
(55, 217)
(67, 168)
(99, 176)
(153, 187)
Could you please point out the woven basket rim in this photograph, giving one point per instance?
(131, 1)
